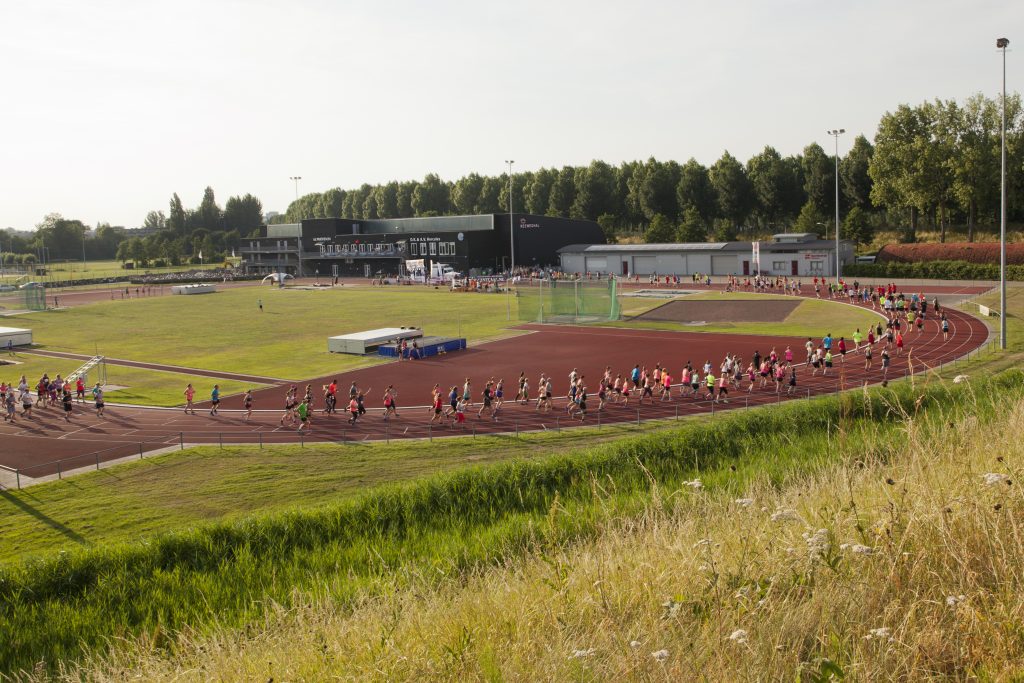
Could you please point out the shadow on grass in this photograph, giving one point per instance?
(42, 517)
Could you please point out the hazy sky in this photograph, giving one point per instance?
(107, 107)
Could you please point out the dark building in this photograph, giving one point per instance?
(476, 245)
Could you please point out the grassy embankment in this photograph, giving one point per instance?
(433, 534)
(77, 270)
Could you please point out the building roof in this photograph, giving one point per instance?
(696, 246)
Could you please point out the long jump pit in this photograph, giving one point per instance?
(722, 311)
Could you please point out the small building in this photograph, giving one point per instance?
(474, 245)
(15, 336)
(789, 254)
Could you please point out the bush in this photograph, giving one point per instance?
(969, 252)
(934, 270)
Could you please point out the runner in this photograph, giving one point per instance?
(467, 396)
(247, 404)
(885, 362)
(190, 393)
(792, 380)
(828, 362)
(353, 410)
(390, 408)
(868, 362)
(97, 396)
(215, 399)
(305, 417)
(899, 343)
(488, 398)
(842, 349)
(945, 328)
(80, 390)
(723, 389)
(67, 401)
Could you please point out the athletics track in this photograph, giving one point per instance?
(33, 446)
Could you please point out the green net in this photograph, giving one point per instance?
(567, 301)
(34, 298)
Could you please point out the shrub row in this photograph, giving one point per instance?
(58, 608)
(935, 270)
(970, 252)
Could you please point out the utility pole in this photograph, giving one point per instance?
(835, 133)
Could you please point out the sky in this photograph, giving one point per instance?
(108, 107)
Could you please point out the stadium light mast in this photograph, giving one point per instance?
(296, 178)
(835, 133)
(1002, 44)
(511, 243)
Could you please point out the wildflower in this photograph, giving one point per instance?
(882, 633)
(995, 478)
(960, 379)
(742, 593)
(695, 484)
(744, 502)
(634, 644)
(858, 549)
(818, 543)
(671, 607)
(579, 654)
(660, 655)
(739, 636)
(785, 515)
(953, 600)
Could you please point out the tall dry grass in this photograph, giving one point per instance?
(899, 566)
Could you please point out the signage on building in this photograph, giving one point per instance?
(756, 256)
(424, 239)
(523, 224)
(814, 255)
(322, 239)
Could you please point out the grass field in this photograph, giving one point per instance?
(811, 318)
(440, 531)
(76, 270)
(141, 386)
(226, 331)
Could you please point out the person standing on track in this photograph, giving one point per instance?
(190, 393)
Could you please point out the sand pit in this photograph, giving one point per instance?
(728, 311)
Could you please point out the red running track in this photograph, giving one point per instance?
(33, 446)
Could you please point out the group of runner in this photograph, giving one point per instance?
(48, 393)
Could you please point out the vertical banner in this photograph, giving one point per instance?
(756, 257)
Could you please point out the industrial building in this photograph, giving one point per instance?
(474, 245)
(789, 254)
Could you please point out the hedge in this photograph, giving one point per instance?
(970, 252)
(934, 270)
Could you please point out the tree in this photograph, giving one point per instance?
(770, 179)
(693, 228)
(466, 194)
(595, 191)
(657, 190)
(403, 198)
(733, 189)
(243, 214)
(853, 174)
(176, 216)
(660, 230)
(208, 214)
(563, 192)
(538, 195)
(386, 197)
(819, 178)
(60, 237)
(695, 191)
(155, 220)
(608, 223)
(331, 203)
(432, 197)
(370, 204)
(812, 220)
(491, 191)
(857, 226)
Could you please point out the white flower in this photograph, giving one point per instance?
(953, 600)
(579, 654)
(739, 635)
(994, 478)
(860, 549)
(703, 542)
(744, 502)
(695, 484)
(634, 644)
(882, 633)
(660, 655)
(672, 607)
(960, 379)
(818, 543)
(785, 515)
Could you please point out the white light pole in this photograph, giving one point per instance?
(511, 242)
(835, 133)
(1002, 44)
(296, 178)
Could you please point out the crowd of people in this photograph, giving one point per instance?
(904, 316)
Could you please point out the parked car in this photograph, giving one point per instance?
(7, 288)
(32, 285)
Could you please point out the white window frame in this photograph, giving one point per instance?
(433, 248)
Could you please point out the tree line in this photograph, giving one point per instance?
(938, 161)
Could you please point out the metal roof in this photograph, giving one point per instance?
(676, 246)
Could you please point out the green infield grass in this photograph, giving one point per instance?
(226, 331)
(77, 270)
(140, 386)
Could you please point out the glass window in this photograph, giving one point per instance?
(451, 248)
(778, 265)
(433, 248)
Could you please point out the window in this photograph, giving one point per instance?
(433, 248)
(362, 248)
(815, 267)
(778, 266)
(414, 248)
(442, 249)
(451, 248)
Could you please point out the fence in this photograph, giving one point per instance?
(623, 419)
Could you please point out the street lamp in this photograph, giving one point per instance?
(511, 242)
(1002, 44)
(835, 133)
(296, 178)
